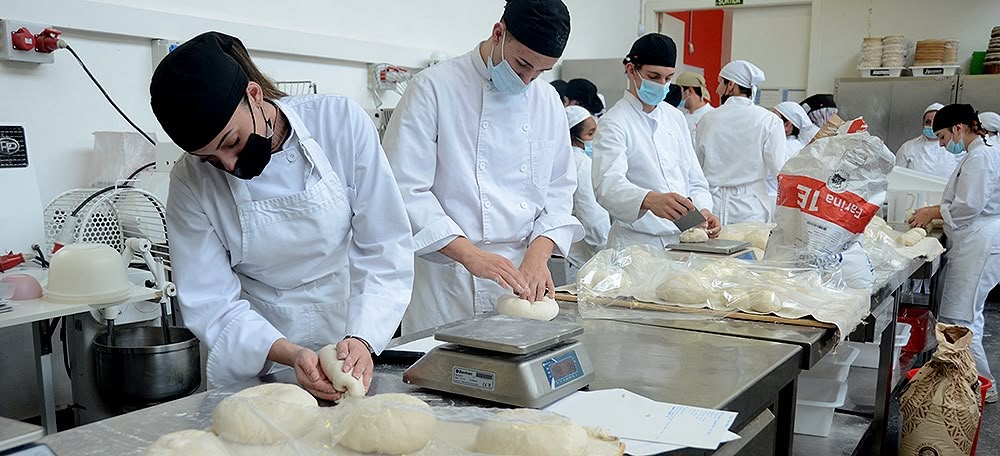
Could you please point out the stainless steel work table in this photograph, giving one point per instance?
(751, 377)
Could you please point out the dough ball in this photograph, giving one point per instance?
(912, 237)
(265, 414)
(334, 368)
(544, 310)
(527, 432)
(389, 424)
(687, 287)
(188, 443)
(694, 236)
(760, 300)
(758, 238)
(909, 214)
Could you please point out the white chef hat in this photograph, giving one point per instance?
(743, 73)
(794, 113)
(576, 114)
(933, 107)
(990, 121)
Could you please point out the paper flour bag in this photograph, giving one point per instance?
(940, 407)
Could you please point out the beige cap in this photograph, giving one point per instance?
(694, 80)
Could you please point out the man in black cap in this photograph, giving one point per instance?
(482, 156)
(645, 171)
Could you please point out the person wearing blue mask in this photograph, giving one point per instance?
(695, 99)
(924, 154)
(478, 146)
(970, 208)
(645, 172)
(596, 221)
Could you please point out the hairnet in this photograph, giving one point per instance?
(743, 73)
(541, 25)
(933, 107)
(954, 114)
(990, 121)
(575, 115)
(653, 49)
(196, 88)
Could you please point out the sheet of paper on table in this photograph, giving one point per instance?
(420, 345)
(651, 426)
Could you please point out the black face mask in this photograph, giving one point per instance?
(256, 154)
(725, 97)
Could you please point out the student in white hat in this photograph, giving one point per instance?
(596, 221)
(924, 154)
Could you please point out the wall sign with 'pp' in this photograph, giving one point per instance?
(728, 2)
(13, 147)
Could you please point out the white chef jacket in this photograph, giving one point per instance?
(694, 118)
(739, 145)
(793, 146)
(596, 221)
(927, 156)
(474, 162)
(207, 245)
(636, 153)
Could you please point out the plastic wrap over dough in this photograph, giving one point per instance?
(343, 382)
(528, 432)
(912, 237)
(545, 309)
(694, 236)
(389, 424)
(687, 287)
(190, 442)
(266, 414)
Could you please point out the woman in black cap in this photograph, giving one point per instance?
(581, 92)
(287, 230)
(970, 208)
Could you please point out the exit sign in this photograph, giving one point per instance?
(728, 2)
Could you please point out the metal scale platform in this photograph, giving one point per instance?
(722, 247)
(510, 360)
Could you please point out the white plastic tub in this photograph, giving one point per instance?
(868, 357)
(934, 71)
(814, 416)
(834, 366)
(884, 72)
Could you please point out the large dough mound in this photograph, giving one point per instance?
(544, 310)
(266, 414)
(343, 382)
(389, 424)
(912, 237)
(759, 300)
(188, 443)
(687, 287)
(526, 432)
(694, 236)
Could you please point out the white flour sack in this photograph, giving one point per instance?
(827, 194)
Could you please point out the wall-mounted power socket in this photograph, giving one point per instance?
(14, 46)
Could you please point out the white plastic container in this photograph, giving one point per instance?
(937, 71)
(868, 357)
(835, 366)
(885, 72)
(814, 416)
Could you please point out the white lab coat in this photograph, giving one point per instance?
(970, 207)
(927, 156)
(473, 162)
(636, 153)
(792, 146)
(308, 253)
(694, 118)
(596, 221)
(739, 145)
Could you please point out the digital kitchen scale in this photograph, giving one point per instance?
(510, 360)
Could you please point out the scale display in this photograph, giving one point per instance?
(562, 369)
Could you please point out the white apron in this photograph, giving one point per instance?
(972, 269)
(294, 267)
(743, 203)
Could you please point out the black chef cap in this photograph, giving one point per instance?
(819, 101)
(653, 49)
(196, 88)
(541, 25)
(584, 93)
(560, 87)
(955, 114)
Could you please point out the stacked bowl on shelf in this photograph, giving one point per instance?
(992, 62)
(936, 52)
(894, 51)
(871, 53)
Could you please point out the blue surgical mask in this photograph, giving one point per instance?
(682, 104)
(929, 133)
(504, 78)
(650, 92)
(955, 147)
(588, 148)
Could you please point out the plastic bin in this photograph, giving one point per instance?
(922, 323)
(936, 71)
(885, 72)
(835, 366)
(818, 399)
(868, 357)
(984, 386)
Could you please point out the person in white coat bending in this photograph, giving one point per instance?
(480, 151)
(287, 230)
(645, 172)
(924, 153)
(739, 145)
(696, 101)
(596, 221)
(970, 208)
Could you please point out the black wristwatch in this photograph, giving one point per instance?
(367, 345)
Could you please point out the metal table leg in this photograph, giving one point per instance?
(43, 368)
(785, 414)
(881, 443)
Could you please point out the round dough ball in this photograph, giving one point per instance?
(191, 442)
(687, 287)
(334, 368)
(544, 310)
(912, 237)
(265, 414)
(389, 424)
(694, 236)
(760, 300)
(527, 432)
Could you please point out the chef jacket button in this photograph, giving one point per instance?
(524, 168)
(485, 125)
(291, 156)
(524, 127)
(487, 204)
(524, 205)
(482, 165)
